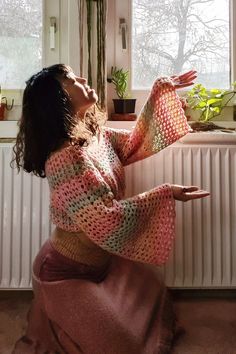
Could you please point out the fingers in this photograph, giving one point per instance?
(190, 189)
(193, 192)
(185, 75)
(186, 193)
(188, 78)
(184, 85)
(184, 80)
(197, 195)
(191, 73)
(185, 189)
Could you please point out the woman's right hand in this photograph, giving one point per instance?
(185, 193)
(184, 80)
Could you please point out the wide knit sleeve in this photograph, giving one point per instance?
(161, 122)
(140, 228)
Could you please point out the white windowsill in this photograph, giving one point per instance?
(9, 129)
(211, 137)
(216, 137)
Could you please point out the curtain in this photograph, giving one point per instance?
(92, 33)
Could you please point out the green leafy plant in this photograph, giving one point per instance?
(119, 78)
(209, 102)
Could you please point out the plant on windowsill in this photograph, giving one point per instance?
(124, 104)
(210, 103)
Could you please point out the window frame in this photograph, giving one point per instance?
(65, 51)
(49, 8)
(119, 58)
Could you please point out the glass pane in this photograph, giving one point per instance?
(20, 41)
(173, 36)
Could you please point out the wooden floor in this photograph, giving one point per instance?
(209, 320)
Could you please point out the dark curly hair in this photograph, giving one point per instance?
(48, 120)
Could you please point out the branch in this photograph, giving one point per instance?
(204, 23)
(206, 48)
(205, 51)
(161, 53)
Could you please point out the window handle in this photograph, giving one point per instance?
(123, 32)
(52, 32)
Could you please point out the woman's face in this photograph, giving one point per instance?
(81, 95)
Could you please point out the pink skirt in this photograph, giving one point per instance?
(122, 309)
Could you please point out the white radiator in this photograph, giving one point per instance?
(24, 222)
(205, 245)
(204, 255)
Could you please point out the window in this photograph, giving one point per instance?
(173, 36)
(20, 41)
(25, 45)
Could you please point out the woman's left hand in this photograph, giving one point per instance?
(184, 80)
(185, 193)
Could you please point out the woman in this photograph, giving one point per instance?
(93, 290)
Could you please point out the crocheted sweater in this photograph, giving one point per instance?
(87, 184)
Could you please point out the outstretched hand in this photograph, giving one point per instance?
(185, 193)
(184, 80)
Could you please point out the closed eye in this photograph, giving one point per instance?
(72, 78)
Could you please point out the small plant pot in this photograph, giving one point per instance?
(2, 111)
(124, 105)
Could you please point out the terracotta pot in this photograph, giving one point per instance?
(2, 111)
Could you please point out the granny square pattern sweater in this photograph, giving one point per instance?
(87, 184)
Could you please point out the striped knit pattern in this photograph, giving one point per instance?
(87, 183)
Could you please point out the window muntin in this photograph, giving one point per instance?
(173, 36)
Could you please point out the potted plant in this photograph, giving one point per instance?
(124, 104)
(209, 103)
(4, 105)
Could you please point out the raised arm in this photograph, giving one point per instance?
(161, 122)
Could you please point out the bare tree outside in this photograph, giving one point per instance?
(172, 36)
(20, 41)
